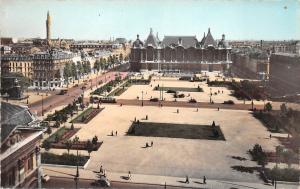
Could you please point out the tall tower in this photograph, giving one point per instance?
(48, 26)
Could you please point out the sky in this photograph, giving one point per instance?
(105, 19)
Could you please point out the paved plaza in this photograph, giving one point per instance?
(147, 91)
(174, 156)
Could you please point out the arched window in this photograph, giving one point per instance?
(150, 53)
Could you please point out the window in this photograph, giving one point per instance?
(30, 163)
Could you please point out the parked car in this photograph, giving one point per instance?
(63, 91)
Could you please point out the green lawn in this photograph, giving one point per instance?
(171, 130)
(59, 133)
(182, 89)
(79, 117)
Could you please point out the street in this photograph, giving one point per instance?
(53, 101)
(60, 182)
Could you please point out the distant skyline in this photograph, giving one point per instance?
(104, 19)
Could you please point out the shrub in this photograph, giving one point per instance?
(64, 159)
(228, 102)
(192, 100)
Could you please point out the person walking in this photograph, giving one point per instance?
(101, 169)
(187, 180)
(116, 133)
(112, 133)
(129, 175)
(204, 180)
(151, 143)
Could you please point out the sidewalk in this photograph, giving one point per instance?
(159, 180)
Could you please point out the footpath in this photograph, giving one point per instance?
(69, 172)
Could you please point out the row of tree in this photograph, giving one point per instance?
(73, 70)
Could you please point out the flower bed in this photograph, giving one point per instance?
(81, 145)
(87, 115)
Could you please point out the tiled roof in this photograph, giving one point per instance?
(209, 40)
(13, 116)
(151, 40)
(187, 41)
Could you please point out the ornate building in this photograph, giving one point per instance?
(20, 140)
(48, 68)
(14, 63)
(180, 53)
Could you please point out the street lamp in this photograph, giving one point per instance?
(142, 98)
(76, 178)
(42, 105)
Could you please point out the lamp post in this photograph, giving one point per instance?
(76, 178)
(142, 98)
(42, 105)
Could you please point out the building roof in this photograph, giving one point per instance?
(137, 43)
(13, 116)
(209, 40)
(186, 41)
(151, 40)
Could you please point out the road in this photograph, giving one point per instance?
(62, 182)
(53, 101)
(188, 105)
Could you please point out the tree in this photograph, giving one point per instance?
(89, 147)
(76, 139)
(79, 67)
(288, 156)
(72, 126)
(46, 145)
(97, 65)
(268, 106)
(88, 67)
(68, 145)
(73, 70)
(49, 130)
(67, 72)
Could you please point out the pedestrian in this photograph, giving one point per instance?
(204, 180)
(146, 117)
(147, 145)
(197, 110)
(151, 143)
(218, 109)
(116, 133)
(101, 169)
(129, 175)
(187, 180)
(112, 133)
(270, 136)
(177, 110)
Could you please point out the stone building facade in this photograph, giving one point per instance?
(284, 74)
(180, 54)
(250, 63)
(20, 152)
(12, 63)
(48, 68)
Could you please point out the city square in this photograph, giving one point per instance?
(148, 94)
